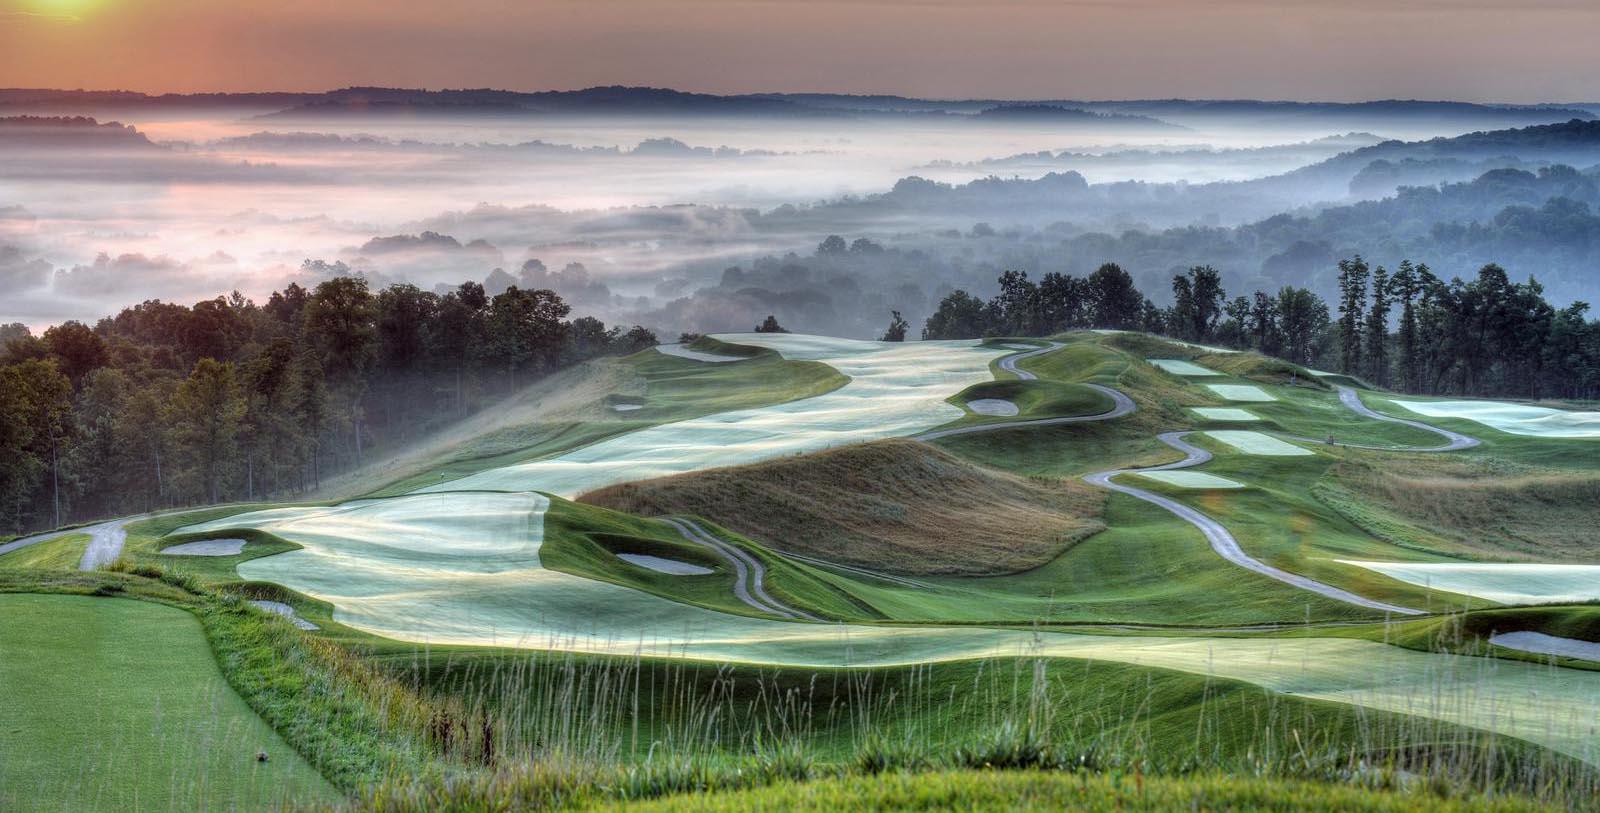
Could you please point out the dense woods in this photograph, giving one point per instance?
(1406, 329)
(166, 405)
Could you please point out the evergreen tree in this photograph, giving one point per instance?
(1352, 302)
(1375, 342)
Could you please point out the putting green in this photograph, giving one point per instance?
(1181, 367)
(1190, 479)
(1225, 414)
(114, 704)
(1515, 419)
(1510, 583)
(895, 389)
(464, 569)
(1256, 443)
(1240, 392)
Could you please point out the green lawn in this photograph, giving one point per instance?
(118, 705)
(61, 553)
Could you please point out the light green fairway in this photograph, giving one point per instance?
(1256, 443)
(1191, 479)
(1515, 419)
(1181, 367)
(1510, 583)
(1225, 414)
(895, 389)
(1241, 392)
(118, 705)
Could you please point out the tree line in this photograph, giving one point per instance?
(167, 405)
(1406, 329)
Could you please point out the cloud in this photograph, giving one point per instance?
(19, 272)
(127, 274)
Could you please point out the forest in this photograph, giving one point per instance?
(1405, 329)
(167, 405)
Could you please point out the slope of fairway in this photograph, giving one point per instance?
(1517, 583)
(386, 574)
(118, 705)
(1515, 419)
(895, 505)
(895, 389)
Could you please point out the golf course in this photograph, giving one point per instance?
(773, 563)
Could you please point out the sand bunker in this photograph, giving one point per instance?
(998, 407)
(660, 565)
(1256, 443)
(695, 355)
(1505, 583)
(206, 547)
(1181, 367)
(1240, 392)
(1515, 419)
(627, 407)
(1191, 479)
(895, 389)
(279, 608)
(1541, 644)
(1020, 346)
(1225, 414)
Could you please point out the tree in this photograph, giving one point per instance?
(205, 415)
(1114, 300)
(959, 316)
(834, 246)
(1374, 343)
(1063, 303)
(897, 328)
(339, 323)
(1352, 301)
(1263, 325)
(35, 403)
(1017, 305)
(1404, 286)
(770, 325)
(76, 348)
(637, 338)
(527, 329)
(1302, 317)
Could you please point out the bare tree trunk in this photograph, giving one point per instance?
(55, 476)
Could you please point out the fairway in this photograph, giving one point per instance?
(1511, 583)
(895, 389)
(118, 705)
(1225, 414)
(1190, 479)
(1515, 419)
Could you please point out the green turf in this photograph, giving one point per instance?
(61, 553)
(118, 705)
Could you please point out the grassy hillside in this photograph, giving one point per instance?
(897, 506)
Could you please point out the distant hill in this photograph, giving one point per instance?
(68, 132)
(629, 101)
(1069, 115)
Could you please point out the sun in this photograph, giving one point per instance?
(63, 8)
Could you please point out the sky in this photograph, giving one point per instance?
(1337, 50)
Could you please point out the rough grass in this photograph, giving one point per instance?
(112, 704)
(1036, 790)
(897, 506)
(1464, 509)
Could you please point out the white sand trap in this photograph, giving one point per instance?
(1240, 392)
(1515, 419)
(1020, 346)
(895, 389)
(1256, 443)
(1191, 479)
(206, 547)
(660, 565)
(464, 569)
(1321, 373)
(1181, 367)
(1541, 644)
(1505, 583)
(279, 608)
(627, 407)
(695, 355)
(1225, 414)
(998, 407)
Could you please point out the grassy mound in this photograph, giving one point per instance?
(1029, 790)
(897, 506)
(1038, 399)
(1463, 508)
(119, 705)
